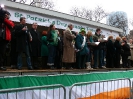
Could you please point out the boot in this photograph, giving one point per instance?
(88, 65)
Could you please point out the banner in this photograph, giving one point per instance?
(59, 23)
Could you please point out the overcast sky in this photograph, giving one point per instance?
(109, 5)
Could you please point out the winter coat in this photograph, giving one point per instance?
(44, 47)
(131, 50)
(22, 38)
(78, 45)
(35, 43)
(69, 55)
(126, 49)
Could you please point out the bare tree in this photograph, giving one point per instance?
(131, 22)
(47, 4)
(75, 11)
(99, 13)
(96, 14)
(119, 20)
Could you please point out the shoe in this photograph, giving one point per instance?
(103, 67)
(30, 68)
(13, 67)
(3, 68)
(88, 65)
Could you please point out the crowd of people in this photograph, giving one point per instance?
(66, 49)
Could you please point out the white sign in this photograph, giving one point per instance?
(46, 21)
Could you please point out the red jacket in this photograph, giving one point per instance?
(8, 23)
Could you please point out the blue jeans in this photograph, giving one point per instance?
(98, 58)
(19, 60)
(52, 54)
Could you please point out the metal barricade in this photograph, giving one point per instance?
(109, 89)
(57, 91)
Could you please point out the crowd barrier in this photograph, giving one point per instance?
(111, 89)
(40, 92)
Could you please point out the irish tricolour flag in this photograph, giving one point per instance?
(117, 89)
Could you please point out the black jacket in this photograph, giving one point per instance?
(35, 43)
(110, 49)
(22, 38)
(126, 49)
(118, 47)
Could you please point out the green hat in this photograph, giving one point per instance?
(82, 30)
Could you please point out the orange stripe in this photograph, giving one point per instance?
(121, 93)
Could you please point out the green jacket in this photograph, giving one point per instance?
(52, 38)
(78, 45)
(44, 48)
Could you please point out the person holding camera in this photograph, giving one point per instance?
(5, 35)
(23, 37)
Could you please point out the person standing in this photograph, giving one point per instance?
(5, 36)
(13, 53)
(44, 50)
(98, 50)
(110, 53)
(23, 38)
(35, 45)
(69, 55)
(82, 49)
(52, 38)
(130, 58)
(90, 46)
(117, 45)
(126, 52)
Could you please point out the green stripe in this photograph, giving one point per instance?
(66, 80)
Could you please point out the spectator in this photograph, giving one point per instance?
(98, 50)
(69, 56)
(5, 36)
(59, 52)
(130, 58)
(35, 45)
(110, 53)
(44, 50)
(117, 46)
(52, 38)
(126, 52)
(13, 53)
(23, 39)
(90, 47)
(82, 49)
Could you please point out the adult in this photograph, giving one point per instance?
(117, 45)
(90, 44)
(5, 36)
(13, 53)
(125, 53)
(35, 45)
(52, 38)
(69, 55)
(23, 38)
(82, 49)
(44, 50)
(110, 54)
(130, 58)
(98, 50)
